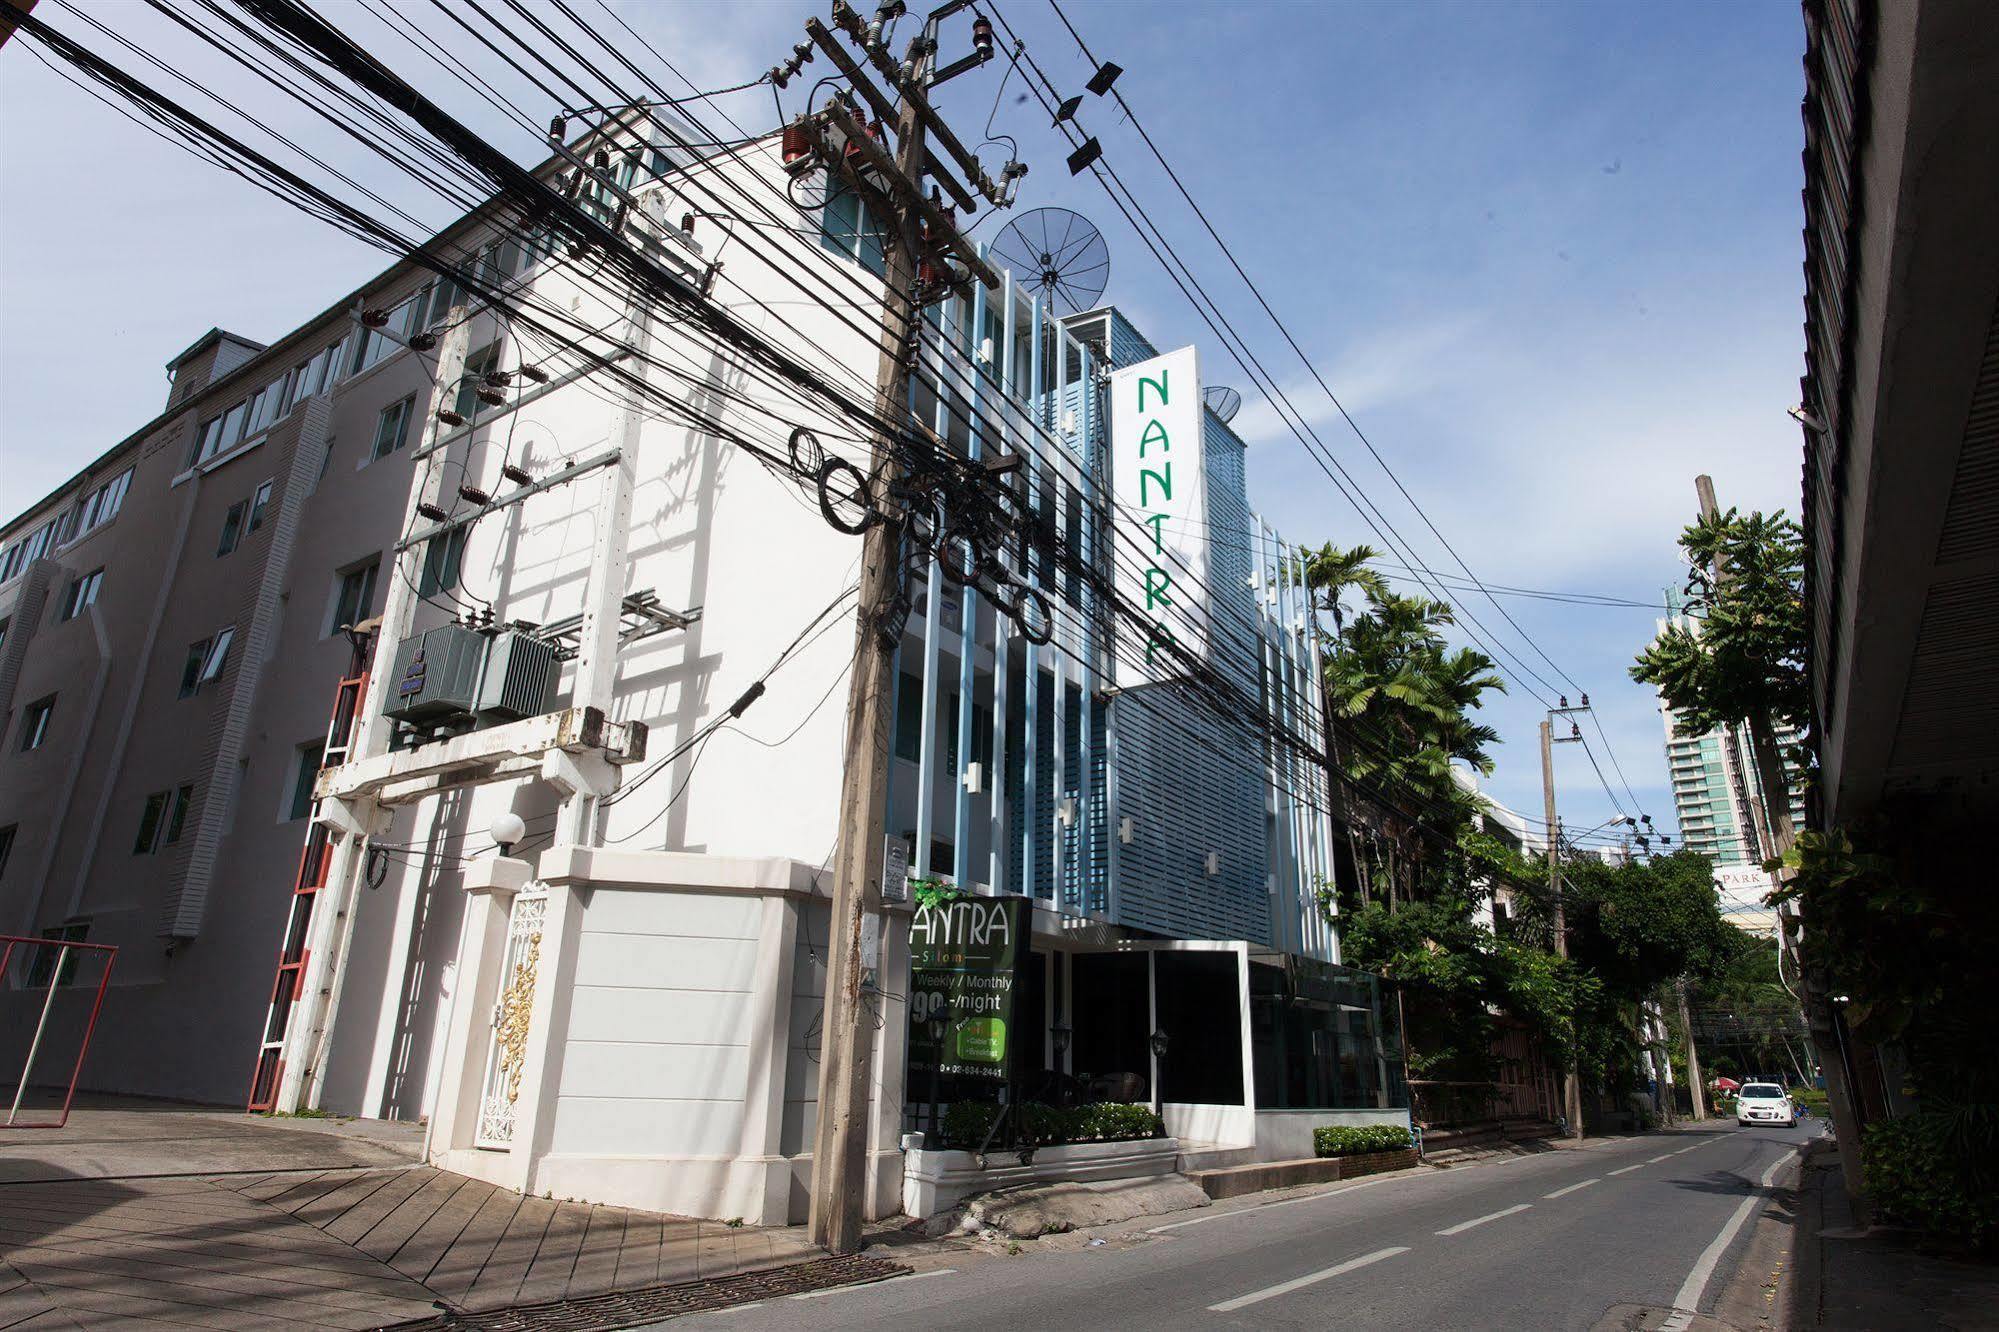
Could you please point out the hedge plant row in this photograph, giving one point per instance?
(966, 1123)
(1355, 1140)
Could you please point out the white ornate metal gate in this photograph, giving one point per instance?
(507, 1049)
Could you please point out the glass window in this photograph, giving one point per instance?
(476, 366)
(190, 670)
(82, 594)
(35, 722)
(3, 630)
(354, 596)
(847, 228)
(392, 427)
(207, 441)
(442, 557)
(6, 846)
(232, 426)
(232, 528)
(258, 503)
(152, 819)
(218, 656)
(43, 969)
(177, 812)
(310, 757)
(26, 551)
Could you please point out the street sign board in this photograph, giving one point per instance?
(963, 958)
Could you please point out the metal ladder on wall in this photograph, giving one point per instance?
(311, 877)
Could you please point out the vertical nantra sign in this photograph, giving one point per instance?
(1159, 496)
(963, 956)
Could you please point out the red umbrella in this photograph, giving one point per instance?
(1728, 1084)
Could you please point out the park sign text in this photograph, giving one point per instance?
(1159, 497)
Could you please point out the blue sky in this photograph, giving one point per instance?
(1547, 253)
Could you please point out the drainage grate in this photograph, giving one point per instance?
(630, 1307)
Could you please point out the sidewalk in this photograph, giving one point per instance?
(150, 1215)
(1849, 1277)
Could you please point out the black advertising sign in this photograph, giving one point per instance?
(962, 958)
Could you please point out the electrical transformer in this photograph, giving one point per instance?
(456, 677)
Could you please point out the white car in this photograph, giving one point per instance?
(1764, 1103)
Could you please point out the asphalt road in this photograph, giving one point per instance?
(1553, 1240)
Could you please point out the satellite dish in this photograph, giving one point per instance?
(1223, 401)
(1057, 253)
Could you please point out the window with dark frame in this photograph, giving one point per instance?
(442, 558)
(206, 661)
(259, 502)
(354, 598)
(44, 965)
(7, 846)
(35, 722)
(310, 758)
(82, 594)
(232, 528)
(162, 819)
(392, 428)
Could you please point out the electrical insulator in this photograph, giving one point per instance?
(687, 223)
(536, 373)
(449, 417)
(474, 495)
(982, 36)
(558, 129)
(602, 160)
(491, 396)
(375, 318)
(796, 143)
(423, 342)
(517, 475)
(1585, 700)
(432, 512)
(499, 378)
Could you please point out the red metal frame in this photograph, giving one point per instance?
(268, 1072)
(55, 980)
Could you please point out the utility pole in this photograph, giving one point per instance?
(1572, 1094)
(839, 1157)
(1821, 1020)
(1693, 1059)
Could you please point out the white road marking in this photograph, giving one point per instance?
(1264, 1207)
(1655, 1160)
(1628, 1169)
(1299, 1283)
(1463, 1226)
(1678, 1321)
(1684, 1150)
(1571, 1189)
(1695, 1285)
(870, 1285)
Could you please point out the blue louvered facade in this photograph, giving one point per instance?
(1136, 807)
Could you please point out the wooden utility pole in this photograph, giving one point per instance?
(1693, 1058)
(894, 193)
(839, 1157)
(1774, 794)
(1572, 1093)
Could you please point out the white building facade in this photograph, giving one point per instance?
(623, 1003)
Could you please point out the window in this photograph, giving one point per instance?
(848, 229)
(82, 594)
(102, 504)
(442, 557)
(35, 722)
(3, 630)
(44, 965)
(476, 366)
(26, 551)
(232, 528)
(7, 846)
(378, 344)
(205, 662)
(162, 820)
(258, 503)
(392, 428)
(354, 596)
(310, 757)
